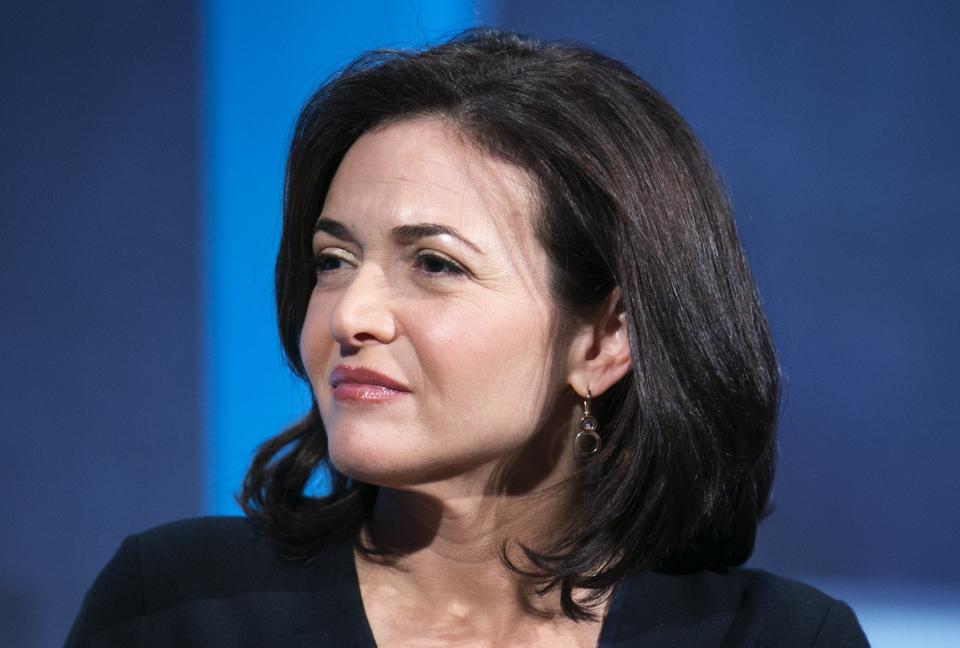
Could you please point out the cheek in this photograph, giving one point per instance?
(315, 341)
(478, 359)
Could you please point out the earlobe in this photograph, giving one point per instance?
(602, 349)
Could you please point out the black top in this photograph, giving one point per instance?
(216, 582)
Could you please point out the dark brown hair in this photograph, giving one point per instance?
(629, 200)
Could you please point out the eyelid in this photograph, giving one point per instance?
(455, 269)
(338, 252)
(316, 259)
(458, 269)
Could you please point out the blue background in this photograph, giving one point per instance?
(140, 180)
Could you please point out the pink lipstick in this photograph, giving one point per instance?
(360, 384)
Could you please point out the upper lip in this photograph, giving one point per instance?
(364, 376)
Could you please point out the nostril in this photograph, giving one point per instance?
(362, 317)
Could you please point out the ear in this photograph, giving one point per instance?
(600, 350)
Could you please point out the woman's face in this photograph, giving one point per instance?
(428, 273)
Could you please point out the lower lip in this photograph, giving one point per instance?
(365, 393)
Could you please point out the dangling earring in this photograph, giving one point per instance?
(587, 441)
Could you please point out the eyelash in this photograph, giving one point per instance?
(451, 269)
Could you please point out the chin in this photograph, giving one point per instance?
(372, 462)
(381, 465)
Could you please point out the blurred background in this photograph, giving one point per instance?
(140, 178)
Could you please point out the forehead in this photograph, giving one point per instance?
(427, 170)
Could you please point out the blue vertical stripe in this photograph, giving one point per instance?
(261, 63)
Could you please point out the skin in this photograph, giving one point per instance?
(479, 449)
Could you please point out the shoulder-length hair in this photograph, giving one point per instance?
(628, 199)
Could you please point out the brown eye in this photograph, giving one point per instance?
(326, 262)
(329, 262)
(432, 264)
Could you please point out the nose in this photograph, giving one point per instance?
(363, 315)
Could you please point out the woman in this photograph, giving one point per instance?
(544, 388)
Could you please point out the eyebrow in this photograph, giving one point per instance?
(402, 234)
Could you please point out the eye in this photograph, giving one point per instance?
(433, 264)
(325, 262)
(329, 260)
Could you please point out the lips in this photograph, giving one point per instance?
(361, 384)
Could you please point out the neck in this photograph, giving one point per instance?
(465, 527)
(445, 547)
(444, 565)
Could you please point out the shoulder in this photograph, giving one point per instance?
(213, 557)
(208, 568)
(738, 607)
(781, 609)
(206, 542)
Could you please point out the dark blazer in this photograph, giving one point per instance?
(216, 582)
